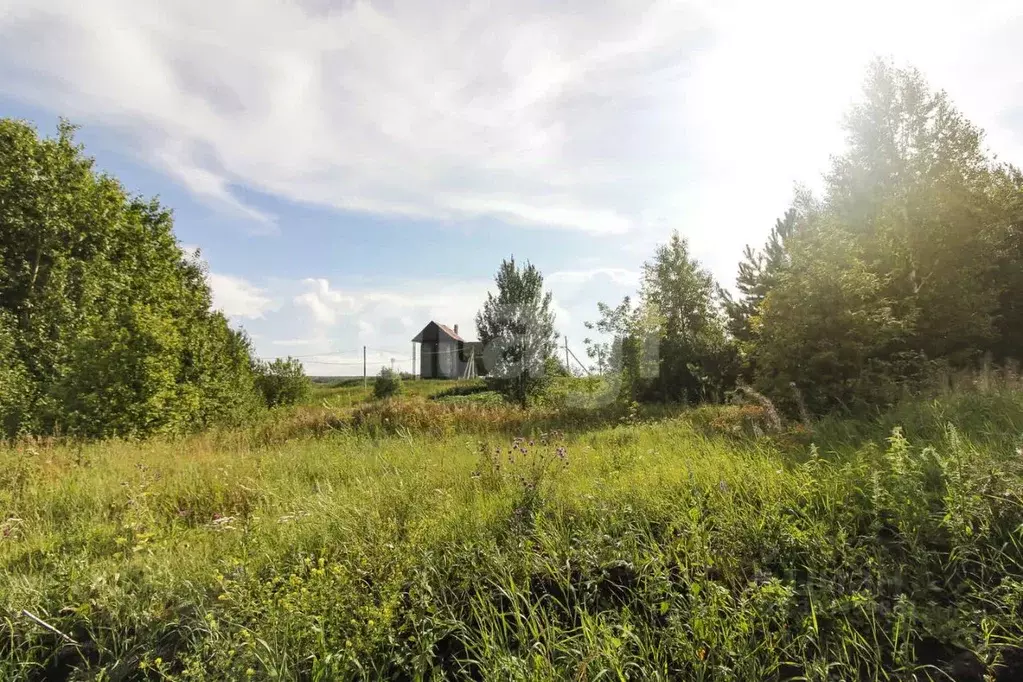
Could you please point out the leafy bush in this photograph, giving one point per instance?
(462, 388)
(553, 367)
(415, 414)
(388, 384)
(484, 397)
(107, 327)
(909, 261)
(282, 382)
(15, 387)
(895, 559)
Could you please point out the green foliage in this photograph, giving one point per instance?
(910, 261)
(282, 381)
(693, 548)
(673, 345)
(387, 384)
(630, 358)
(1007, 275)
(554, 367)
(103, 316)
(16, 390)
(516, 328)
(759, 272)
(697, 362)
(829, 342)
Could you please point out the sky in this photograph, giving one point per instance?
(350, 170)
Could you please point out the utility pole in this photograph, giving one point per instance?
(600, 361)
(365, 376)
(522, 374)
(581, 365)
(567, 366)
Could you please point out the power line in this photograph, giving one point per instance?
(310, 355)
(322, 362)
(332, 354)
(384, 350)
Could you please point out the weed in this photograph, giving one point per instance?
(413, 539)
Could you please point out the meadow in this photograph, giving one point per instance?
(443, 535)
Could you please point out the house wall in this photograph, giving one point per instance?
(440, 356)
(447, 359)
(428, 360)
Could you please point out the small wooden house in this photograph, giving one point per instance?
(443, 354)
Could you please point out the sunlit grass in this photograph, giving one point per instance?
(692, 545)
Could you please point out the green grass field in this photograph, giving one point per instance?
(416, 539)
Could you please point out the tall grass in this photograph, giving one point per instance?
(693, 545)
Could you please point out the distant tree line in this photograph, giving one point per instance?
(106, 328)
(910, 262)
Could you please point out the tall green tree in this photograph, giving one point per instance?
(906, 264)
(630, 353)
(107, 319)
(914, 188)
(828, 329)
(1008, 272)
(759, 272)
(672, 344)
(683, 309)
(517, 330)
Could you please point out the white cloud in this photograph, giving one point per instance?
(630, 116)
(238, 298)
(295, 343)
(208, 185)
(510, 109)
(323, 303)
(620, 276)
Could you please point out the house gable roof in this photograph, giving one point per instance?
(434, 330)
(450, 332)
